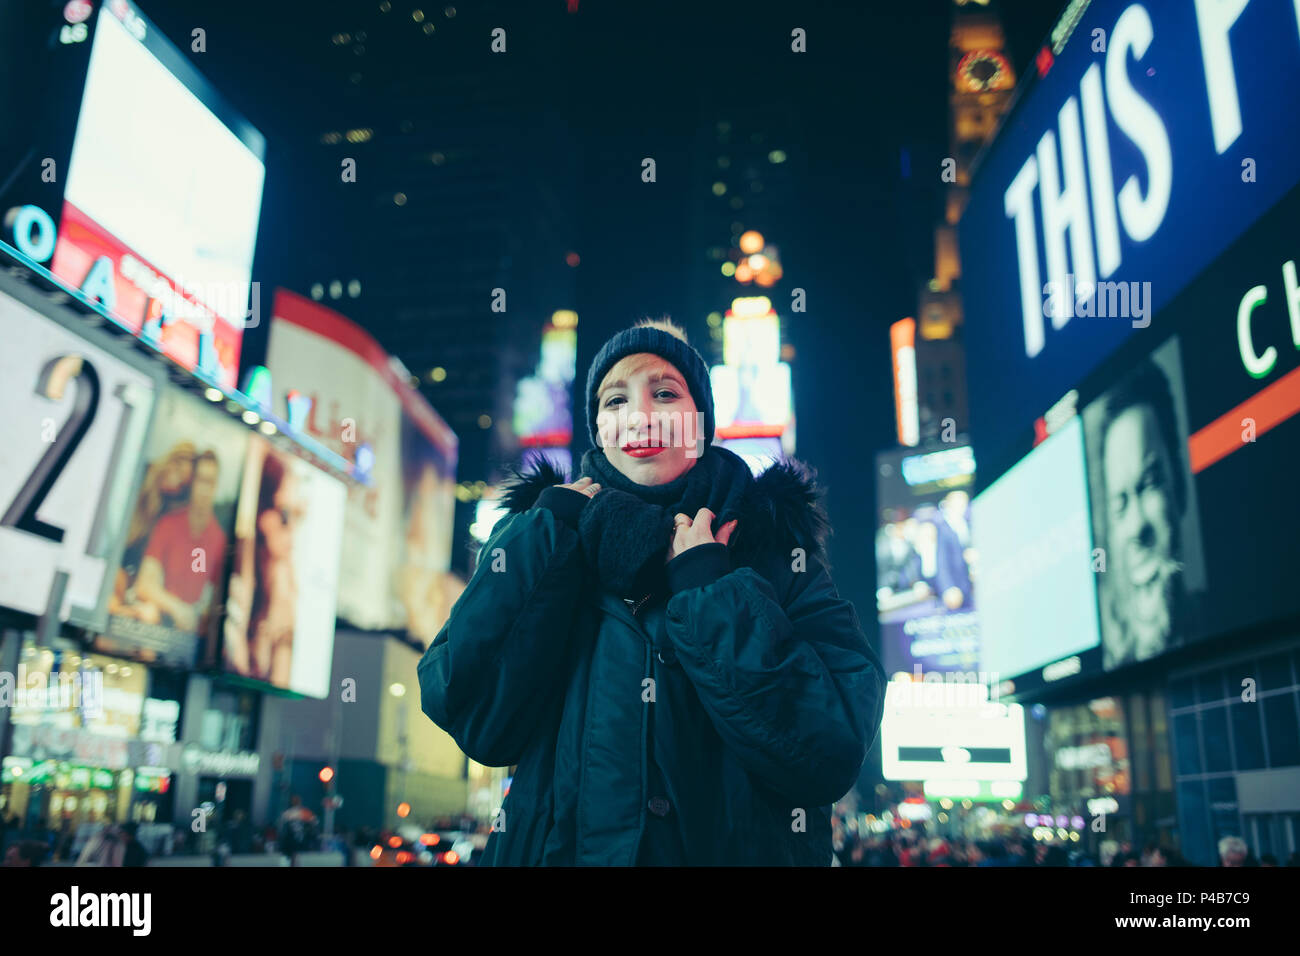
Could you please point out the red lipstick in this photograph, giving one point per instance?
(642, 451)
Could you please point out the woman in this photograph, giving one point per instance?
(166, 485)
(261, 645)
(658, 646)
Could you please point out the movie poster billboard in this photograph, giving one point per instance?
(279, 626)
(925, 560)
(168, 590)
(72, 436)
(423, 586)
(1144, 511)
(398, 528)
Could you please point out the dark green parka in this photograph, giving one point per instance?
(713, 725)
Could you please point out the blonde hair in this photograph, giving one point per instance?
(664, 324)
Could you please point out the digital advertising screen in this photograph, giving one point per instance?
(72, 435)
(280, 609)
(162, 196)
(943, 732)
(422, 582)
(167, 591)
(399, 527)
(1153, 141)
(1034, 583)
(926, 559)
(1145, 517)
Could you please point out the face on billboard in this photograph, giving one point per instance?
(280, 612)
(72, 433)
(1141, 491)
(168, 588)
(926, 561)
(1119, 175)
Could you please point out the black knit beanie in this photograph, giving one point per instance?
(647, 338)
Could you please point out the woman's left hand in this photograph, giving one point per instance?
(688, 533)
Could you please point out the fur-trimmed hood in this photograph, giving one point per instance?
(785, 509)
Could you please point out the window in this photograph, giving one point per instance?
(1282, 730)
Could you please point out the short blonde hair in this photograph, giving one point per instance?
(664, 324)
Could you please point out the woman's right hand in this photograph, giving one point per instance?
(584, 485)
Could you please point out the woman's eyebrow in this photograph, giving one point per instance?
(669, 376)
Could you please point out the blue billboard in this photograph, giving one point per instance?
(1161, 131)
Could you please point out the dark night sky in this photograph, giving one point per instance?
(639, 79)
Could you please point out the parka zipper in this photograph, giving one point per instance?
(637, 606)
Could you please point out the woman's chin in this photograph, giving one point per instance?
(650, 471)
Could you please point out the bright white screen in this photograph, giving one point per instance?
(153, 166)
(1035, 587)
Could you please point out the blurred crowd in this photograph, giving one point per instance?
(910, 848)
(297, 831)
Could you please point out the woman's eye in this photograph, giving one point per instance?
(612, 400)
(667, 394)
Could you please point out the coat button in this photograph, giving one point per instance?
(659, 806)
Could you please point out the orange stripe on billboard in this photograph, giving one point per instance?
(902, 345)
(1269, 407)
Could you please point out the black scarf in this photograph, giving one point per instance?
(627, 528)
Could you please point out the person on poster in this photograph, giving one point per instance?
(952, 527)
(658, 645)
(185, 557)
(266, 584)
(166, 486)
(1144, 484)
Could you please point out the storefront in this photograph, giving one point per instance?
(80, 751)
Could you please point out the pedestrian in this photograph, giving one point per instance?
(1233, 852)
(104, 848)
(133, 851)
(658, 644)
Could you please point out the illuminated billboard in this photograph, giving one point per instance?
(394, 573)
(73, 434)
(1150, 144)
(279, 626)
(926, 560)
(169, 586)
(161, 197)
(945, 731)
(1035, 583)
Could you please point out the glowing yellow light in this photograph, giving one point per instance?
(776, 156)
(750, 305)
(400, 199)
(752, 242)
(267, 428)
(417, 15)
(213, 394)
(326, 774)
(251, 417)
(714, 319)
(438, 374)
(719, 189)
(728, 269)
(564, 319)
(485, 421)
(757, 262)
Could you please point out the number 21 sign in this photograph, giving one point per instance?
(71, 435)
